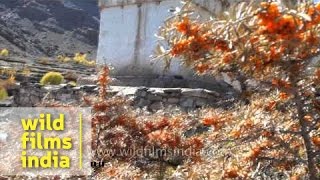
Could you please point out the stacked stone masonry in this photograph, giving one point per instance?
(29, 95)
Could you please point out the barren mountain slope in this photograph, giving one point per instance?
(49, 27)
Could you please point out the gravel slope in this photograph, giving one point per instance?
(49, 27)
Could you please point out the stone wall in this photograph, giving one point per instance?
(30, 95)
(153, 99)
(187, 99)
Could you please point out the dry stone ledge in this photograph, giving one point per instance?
(185, 98)
(29, 95)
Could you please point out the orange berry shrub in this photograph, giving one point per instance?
(135, 144)
(274, 44)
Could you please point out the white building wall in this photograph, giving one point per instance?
(127, 32)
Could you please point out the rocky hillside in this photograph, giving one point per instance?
(48, 28)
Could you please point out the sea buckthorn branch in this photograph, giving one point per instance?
(270, 43)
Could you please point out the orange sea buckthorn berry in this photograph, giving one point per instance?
(274, 54)
(299, 36)
(179, 48)
(317, 6)
(274, 6)
(271, 106)
(211, 121)
(311, 11)
(235, 133)
(255, 152)
(183, 26)
(288, 20)
(275, 82)
(202, 68)
(308, 118)
(194, 30)
(316, 140)
(248, 124)
(231, 173)
(111, 172)
(266, 133)
(312, 39)
(221, 45)
(273, 9)
(227, 58)
(285, 84)
(271, 27)
(283, 96)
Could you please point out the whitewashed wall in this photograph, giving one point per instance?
(127, 31)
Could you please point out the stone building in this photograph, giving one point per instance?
(128, 28)
(127, 33)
